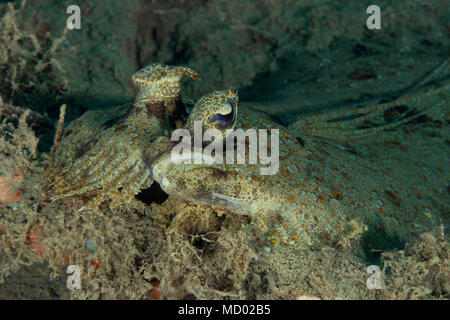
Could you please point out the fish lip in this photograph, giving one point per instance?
(167, 162)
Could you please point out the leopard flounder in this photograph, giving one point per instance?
(323, 191)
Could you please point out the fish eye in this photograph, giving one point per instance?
(226, 120)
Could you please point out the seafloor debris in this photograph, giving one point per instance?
(20, 186)
(7, 193)
(28, 67)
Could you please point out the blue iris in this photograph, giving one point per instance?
(226, 120)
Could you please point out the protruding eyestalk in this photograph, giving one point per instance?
(157, 88)
(216, 110)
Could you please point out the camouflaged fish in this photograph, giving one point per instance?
(324, 190)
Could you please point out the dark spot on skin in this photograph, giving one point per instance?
(149, 157)
(438, 123)
(108, 124)
(220, 174)
(434, 134)
(156, 109)
(394, 113)
(111, 122)
(396, 144)
(300, 141)
(393, 198)
(362, 75)
(120, 127)
(279, 218)
(324, 152)
(84, 148)
(361, 50)
(148, 160)
(180, 185)
(336, 194)
(428, 43)
(351, 150)
(367, 124)
(422, 119)
(67, 132)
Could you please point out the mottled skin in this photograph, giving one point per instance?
(105, 154)
(323, 192)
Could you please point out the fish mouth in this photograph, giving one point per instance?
(169, 161)
(174, 183)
